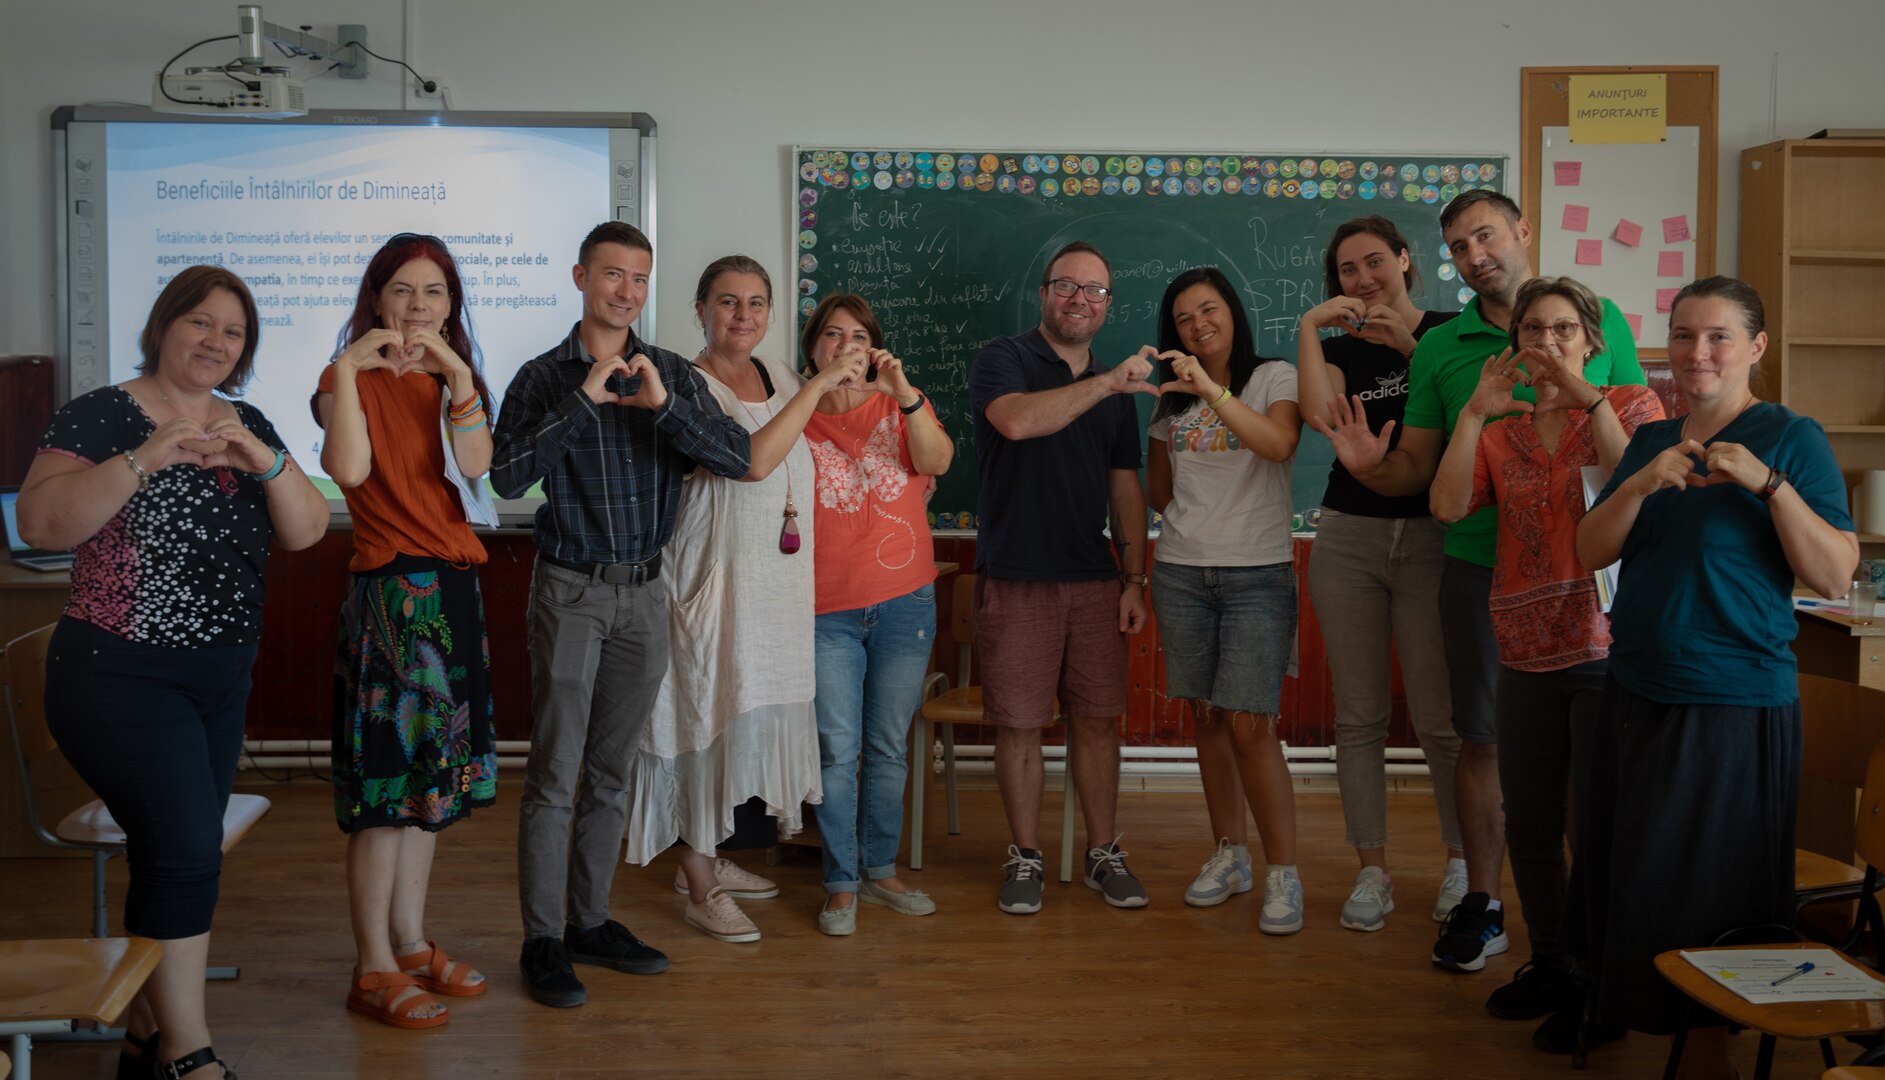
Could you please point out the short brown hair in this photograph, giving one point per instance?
(613, 232)
(731, 264)
(1590, 310)
(182, 295)
(857, 306)
(1466, 200)
(1074, 248)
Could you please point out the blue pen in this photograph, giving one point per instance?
(1794, 974)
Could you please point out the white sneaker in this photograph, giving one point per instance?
(1452, 889)
(1225, 874)
(1282, 903)
(1368, 906)
(739, 883)
(719, 917)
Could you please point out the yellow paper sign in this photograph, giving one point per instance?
(1619, 108)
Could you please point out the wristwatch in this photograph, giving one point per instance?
(1775, 478)
(1134, 579)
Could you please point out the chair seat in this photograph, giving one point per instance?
(1788, 1020)
(94, 826)
(1813, 872)
(73, 979)
(962, 705)
(1855, 1072)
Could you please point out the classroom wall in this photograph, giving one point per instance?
(735, 83)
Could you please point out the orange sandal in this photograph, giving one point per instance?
(395, 1010)
(434, 960)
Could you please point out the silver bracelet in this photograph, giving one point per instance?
(143, 478)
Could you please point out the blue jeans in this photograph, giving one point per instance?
(871, 662)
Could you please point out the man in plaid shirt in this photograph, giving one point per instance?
(611, 425)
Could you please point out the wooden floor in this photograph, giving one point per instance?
(1080, 989)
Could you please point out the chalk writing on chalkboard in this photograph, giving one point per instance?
(949, 247)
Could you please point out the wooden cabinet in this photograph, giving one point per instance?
(1813, 243)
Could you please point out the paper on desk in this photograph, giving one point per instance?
(1750, 973)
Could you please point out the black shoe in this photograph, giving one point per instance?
(1536, 990)
(612, 946)
(137, 1065)
(1471, 934)
(547, 973)
(1558, 1034)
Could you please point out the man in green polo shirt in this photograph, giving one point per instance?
(1488, 239)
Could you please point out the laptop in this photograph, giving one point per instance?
(24, 554)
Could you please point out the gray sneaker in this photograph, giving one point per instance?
(1021, 893)
(1282, 903)
(1106, 872)
(1368, 906)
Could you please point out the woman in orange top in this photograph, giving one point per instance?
(1547, 614)
(875, 447)
(412, 749)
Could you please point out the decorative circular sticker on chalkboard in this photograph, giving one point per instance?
(1365, 189)
(1070, 187)
(1090, 186)
(945, 181)
(1488, 172)
(1109, 185)
(808, 196)
(1329, 167)
(1010, 165)
(1449, 173)
(1448, 271)
(1430, 194)
(1233, 185)
(1004, 184)
(1090, 165)
(1031, 163)
(1291, 189)
(1345, 170)
(946, 162)
(882, 159)
(1131, 185)
(1213, 166)
(1431, 174)
(925, 161)
(925, 181)
(1465, 294)
(808, 239)
(1306, 168)
(1310, 189)
(806, 307)
(967, 163)
(1025, 184)
(808, 172)
(808, 219)
(1070, 164)
(1344, 189)
(807, 287)
(1154, 166)
(1469, 173)
(1410, 192)
(1135, 165)
(1050, 187)
(1268, 169)
(1445, 251)
(1193, 185)
(1269, 188)
(1390, 190)
(1115, 166)
(1447, 191)
(808, 263)
(882, 180)
(1213, 185)
(905, 159)
(837, 179)
(985, 181)
(860, 161)
(1172, 185)
(1287, 169)
(819, 158)
(1050, 163)
(1369, 170)
(1174, 166)
(1327, 188)
(906, 177)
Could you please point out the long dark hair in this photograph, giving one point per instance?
(456, 329)
(1243, 345)
(1381, 229)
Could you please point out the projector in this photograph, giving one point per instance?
(216, 92)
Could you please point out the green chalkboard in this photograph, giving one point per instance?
(949, 247)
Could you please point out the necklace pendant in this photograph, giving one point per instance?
(789, 532)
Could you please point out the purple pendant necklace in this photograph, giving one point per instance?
(789, 531)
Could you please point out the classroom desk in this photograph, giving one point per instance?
(1830, 644)
(28, 601)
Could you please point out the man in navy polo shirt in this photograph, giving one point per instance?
(1058, 442)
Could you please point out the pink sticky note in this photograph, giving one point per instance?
(1590, 253)
(1636, 324)
(1669, 264)
(1576, 218)
(1665, 300)
(1675, 229)
(1568, 173)
(1628, 232)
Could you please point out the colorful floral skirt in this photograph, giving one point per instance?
(413, 742)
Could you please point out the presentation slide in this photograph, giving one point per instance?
(299, 211)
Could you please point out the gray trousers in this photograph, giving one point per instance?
(1376, 581)
(597, 655)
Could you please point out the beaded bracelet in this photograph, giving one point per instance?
(281, 459)
(143, 478)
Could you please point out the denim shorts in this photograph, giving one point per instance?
(1226, 632)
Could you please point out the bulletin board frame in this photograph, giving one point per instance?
(1693, 101)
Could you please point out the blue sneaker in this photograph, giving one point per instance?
(1471, 934)
(1225, 875)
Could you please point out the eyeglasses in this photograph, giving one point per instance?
(1563, 331)
(409, 237)
(1065, 287)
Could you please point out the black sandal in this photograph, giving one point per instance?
(189, 1063)
(137, 1066)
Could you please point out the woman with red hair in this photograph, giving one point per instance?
(403, 406)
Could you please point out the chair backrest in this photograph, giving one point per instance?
(25, 662)
(1871, 826)
(1840, 724)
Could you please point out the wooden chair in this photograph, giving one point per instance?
(1841, 722)
(963, 705)
(48, 986)
(90, 827)
(1817, 1020)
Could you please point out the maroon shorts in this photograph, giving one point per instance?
(1036, 638)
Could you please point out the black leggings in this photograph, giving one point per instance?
(156, 732)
